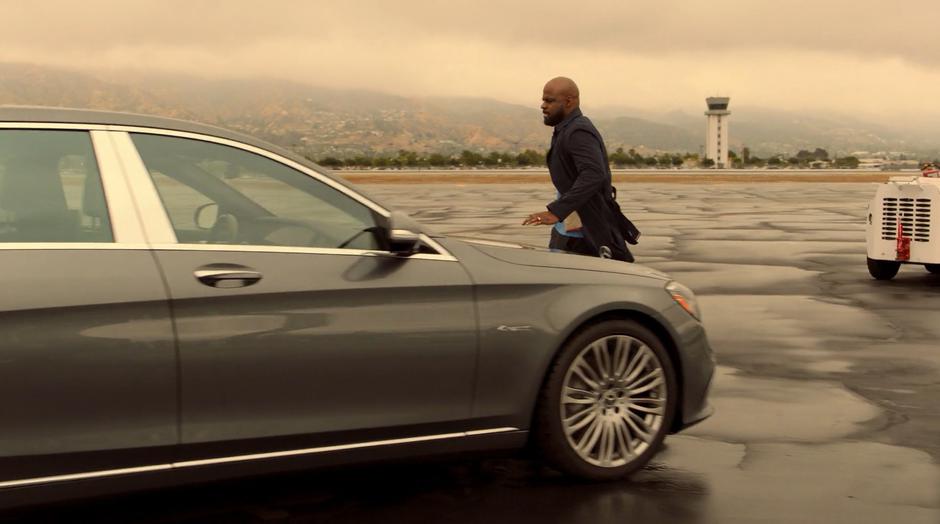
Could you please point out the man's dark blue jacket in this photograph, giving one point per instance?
(580, 171)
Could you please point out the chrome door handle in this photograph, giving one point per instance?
(227, 278)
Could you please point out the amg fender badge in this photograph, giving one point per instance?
(514, 328)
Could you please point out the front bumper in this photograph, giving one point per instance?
(695, 370)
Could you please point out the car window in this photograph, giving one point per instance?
(219, 194)
(181, 202)
(50, 188)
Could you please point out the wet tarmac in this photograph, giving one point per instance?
(827, 397)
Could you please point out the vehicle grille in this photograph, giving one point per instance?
(914, 214)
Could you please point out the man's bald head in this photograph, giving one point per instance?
(563, 86)
(560, 97)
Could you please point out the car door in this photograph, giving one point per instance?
(87, 357)
(292, 319)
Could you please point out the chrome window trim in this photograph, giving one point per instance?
(65, 246)
(258, 151)
(122, 213)
(52, 125)
(162, 233)
(250, 457)
(157, 227)
(127, 182)
(493, 243)
(442, 254)
(126, 223)
(301, 250)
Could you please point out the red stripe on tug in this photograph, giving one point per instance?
(904, 244)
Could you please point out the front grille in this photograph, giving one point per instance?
(914, 215)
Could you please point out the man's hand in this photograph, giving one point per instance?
(536, 219)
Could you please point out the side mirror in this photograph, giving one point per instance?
(401, 236)
(206, 215)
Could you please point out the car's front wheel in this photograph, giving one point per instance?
(608, 401)
(883, 269)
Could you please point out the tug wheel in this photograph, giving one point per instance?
(933, 268)
(883, 269)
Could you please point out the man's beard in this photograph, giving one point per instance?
(553, 119)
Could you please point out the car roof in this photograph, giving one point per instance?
(67, 115)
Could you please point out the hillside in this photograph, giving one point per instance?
(319, 121)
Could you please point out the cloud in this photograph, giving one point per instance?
(864, 28)
(863, 56)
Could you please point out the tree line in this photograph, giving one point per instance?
(412, 159)
(630, 158)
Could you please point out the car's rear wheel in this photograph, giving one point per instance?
(933, 268)
(883, 269)
(607, 403)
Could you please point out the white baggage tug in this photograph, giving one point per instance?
(899, 220)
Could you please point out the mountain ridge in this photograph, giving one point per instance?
(317, 120)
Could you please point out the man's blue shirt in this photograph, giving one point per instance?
(560, 226)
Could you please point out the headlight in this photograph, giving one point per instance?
(685, 298)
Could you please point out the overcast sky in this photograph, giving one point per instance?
(872, 57)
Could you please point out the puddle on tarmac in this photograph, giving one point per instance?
(830, 366)
(749, 409)
(760, 323)
(792, 482)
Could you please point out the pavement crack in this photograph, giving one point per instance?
(745, 457)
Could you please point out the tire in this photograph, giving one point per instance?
(883, 269)
(933, 268)
(603, 430)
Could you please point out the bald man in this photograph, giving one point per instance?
(580, 172)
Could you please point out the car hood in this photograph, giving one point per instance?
(523, 255)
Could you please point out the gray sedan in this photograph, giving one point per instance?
(184, 303)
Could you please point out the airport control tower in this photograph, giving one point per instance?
(716, 130)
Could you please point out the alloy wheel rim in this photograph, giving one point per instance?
(613, 400)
